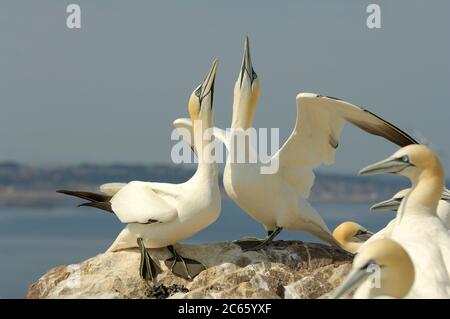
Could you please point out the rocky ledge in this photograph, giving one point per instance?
(286, 269)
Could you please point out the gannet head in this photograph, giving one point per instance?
(200, 104)
(349, 233)
(396, 270)
(410, 161)
(392, 204)
(246, 92)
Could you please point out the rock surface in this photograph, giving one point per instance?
(286, 269)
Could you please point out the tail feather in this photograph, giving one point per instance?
(92, 197)
(106, 206)
(99, 201)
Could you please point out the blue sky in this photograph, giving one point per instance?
(110, 91)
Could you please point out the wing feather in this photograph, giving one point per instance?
(317, 131)
(138, 203)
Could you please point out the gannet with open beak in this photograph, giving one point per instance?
(351, 236)
(161, 214)
(395, 277)
(393, 204)
(279, 200)
(417, 227)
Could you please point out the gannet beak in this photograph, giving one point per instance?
(390, 205)
(446, 194)
(364, 235)
(390, 165)
(247, 67)
(207, 87)
(354, 278)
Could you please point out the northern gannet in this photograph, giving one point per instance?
(279, 200)
(393, 204)
(395, 277)
(417, 227)
(351, 236)
(161, 214)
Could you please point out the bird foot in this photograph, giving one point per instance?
(184, 267)
(148, 269)
(253, 245)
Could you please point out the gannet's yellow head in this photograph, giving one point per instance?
(200, 104)
(395, 266)
(393, 203)
(246, 92)
(410, 161)
(350, 235)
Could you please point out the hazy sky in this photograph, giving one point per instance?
(110, 91)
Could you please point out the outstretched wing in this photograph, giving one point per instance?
(184, 129)
(138, 203)
(317, 131)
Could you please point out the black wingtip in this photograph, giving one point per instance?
(405, 140)
(92, 197)
(334, 98)
(63, 191)
(100, 205)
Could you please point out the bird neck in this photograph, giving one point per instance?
(243, 113)
(204, 148)
(242, 149)
(427, 191)
(207, 171)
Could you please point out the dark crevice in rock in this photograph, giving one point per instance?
(162, 291)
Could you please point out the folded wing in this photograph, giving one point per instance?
(138, 203)
(111, 188)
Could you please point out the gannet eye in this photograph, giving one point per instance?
(405, 159)
(198, 92)
(254, 75)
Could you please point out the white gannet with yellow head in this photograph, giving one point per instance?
(275, 193)
(393, 204)
(161, 214)
(383, 269)
(417, 227)
(351, 236)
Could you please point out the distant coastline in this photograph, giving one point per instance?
(34, 186)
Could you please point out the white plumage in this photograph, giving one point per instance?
(279, 200)
(417, 227)
(162, 214)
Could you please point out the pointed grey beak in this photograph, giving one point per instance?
(390, 165)
(390, 205)
(364, 235)
(354, 278)
(207, 86)
(247, 67)
(446, 194)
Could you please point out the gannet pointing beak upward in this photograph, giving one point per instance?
(161, 214)
(279, 199)
(246, 92)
